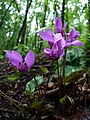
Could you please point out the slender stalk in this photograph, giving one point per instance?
(59, 76)
(59, 80)
(58, 70)
(49, 76)
(36, 83)
(64, 61)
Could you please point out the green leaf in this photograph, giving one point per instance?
(73, 77)
(30, 86)
(66, 100)
(43, 70)
(13, 77)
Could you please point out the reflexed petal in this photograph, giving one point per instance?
(77, 43)
(76, 35)
(17, 56)
(15, 63)
(72, 32)
(13, 58)
(57, 37)
(61, 43)
(30, 59)
(70, 36)
(68, 44)
(47, 35)
(47, 51)
(73, 35)
(58, 25)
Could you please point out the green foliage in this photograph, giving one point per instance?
(12, 16)
(43, 70)
(31, 85)
(74, 76)
(13, 77)
(75, 60)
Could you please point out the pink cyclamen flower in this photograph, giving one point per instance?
(23, 65)
(58, 26)
(57, 50)
(56, 42)
(50, 36)
(72, 38)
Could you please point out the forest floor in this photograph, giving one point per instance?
(12, 97)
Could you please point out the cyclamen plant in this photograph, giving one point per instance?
(58, 43)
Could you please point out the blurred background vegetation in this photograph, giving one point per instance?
(21, 20)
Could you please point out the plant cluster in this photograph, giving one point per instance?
(59, 42)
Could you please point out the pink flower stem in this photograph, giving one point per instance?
(49, 76)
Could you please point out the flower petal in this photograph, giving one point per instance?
(73, 35)
(65, 25)
(47, 51)
(68, 44)
(14, 57)
(30, 59)
(17, 56)
(47, 35)
(77, 43)
(61, 43)
(15, 63)
(61, 53)
(57, 37)
(58, 25)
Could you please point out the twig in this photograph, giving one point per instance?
(4, 110)
(10, 99)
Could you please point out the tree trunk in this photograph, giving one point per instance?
(66, 16)
(55, 8)
(62, 13)
(43, 24)
(23, 28)
(1, 22)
